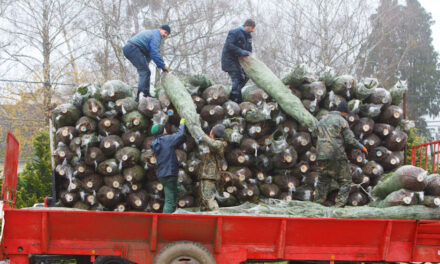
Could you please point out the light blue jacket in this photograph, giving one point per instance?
(149, 42)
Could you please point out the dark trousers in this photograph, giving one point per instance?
(170, 190)
(138, 59)
(239, 80)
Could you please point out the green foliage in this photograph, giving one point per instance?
(35, 182)
(414, 139)
(400, 47)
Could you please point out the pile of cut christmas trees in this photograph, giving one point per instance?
(104, 159)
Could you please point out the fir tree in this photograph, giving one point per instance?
(35, 182)
(400, 47)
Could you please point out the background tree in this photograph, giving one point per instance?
(400, 47)
(42, 31)
(35, 182)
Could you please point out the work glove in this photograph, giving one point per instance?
(182, 121)
(244, 53)
(364, 149)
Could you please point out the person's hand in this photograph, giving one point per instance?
(182, 121)
(166, 69)
(244, 53)
(364, 149)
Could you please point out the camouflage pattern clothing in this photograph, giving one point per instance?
(212, 161)
(333, 133)
(333, 171)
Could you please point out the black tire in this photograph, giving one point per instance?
(184, 252)
(111, 260)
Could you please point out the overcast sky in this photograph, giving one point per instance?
(433, 7)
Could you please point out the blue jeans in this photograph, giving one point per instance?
(239, 80)
(138, 59)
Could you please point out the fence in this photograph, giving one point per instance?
(426, 156)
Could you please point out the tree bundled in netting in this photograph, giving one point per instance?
(105, 162)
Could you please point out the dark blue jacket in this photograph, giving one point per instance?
(164, 148)
(149, 43)
(236, 41)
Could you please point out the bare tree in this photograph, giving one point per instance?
(322, 33)
(41, 29)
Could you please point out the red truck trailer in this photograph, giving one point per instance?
(44, 235)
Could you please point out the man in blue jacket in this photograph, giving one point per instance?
(238, 43)
(164, 148)
(141, 49)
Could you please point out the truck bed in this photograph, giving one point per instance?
(231, 239)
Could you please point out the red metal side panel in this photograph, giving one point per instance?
(231, 239)
(10, 170)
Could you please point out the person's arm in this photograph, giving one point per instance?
(154, 47)
(220, 154)
(178, 137)
(349, 138)
(230, 44)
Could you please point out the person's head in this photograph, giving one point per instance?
(343, 108)
(164, 30)
(249, 25)
(158, 129)
(217, 131)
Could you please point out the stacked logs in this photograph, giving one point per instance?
(104, 159)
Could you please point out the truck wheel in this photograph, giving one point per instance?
(110, 260)
(184, 252)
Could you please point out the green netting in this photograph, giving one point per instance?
(200, 80)
(294, 208)
(84, 92)
(266, 79)
(328, 76)
(65, 115)
(399, 197)
(354, 106)
(299, 75)
(361, 92)
(397, 92)
(114, 90)
(370, 110)
(370, 83)
(182, 101)
(344, 85)
(406, 177)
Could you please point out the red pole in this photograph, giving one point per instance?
(413, 155)
(426, 157)
(9, 185)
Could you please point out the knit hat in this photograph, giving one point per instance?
(342, 107)
(166, 28)
(157, 129)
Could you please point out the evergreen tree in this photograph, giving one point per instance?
(35, 182)
(400, 47)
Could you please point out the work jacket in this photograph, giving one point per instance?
(164, 148)
(236, 41)
(148, 42)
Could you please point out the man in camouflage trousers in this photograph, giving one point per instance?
(333, 133)
(212, 162)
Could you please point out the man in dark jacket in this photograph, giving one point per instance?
(333, 133)
(141, 49)
(164, 148)
(238, 43)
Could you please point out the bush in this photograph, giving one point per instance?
(35, 182)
